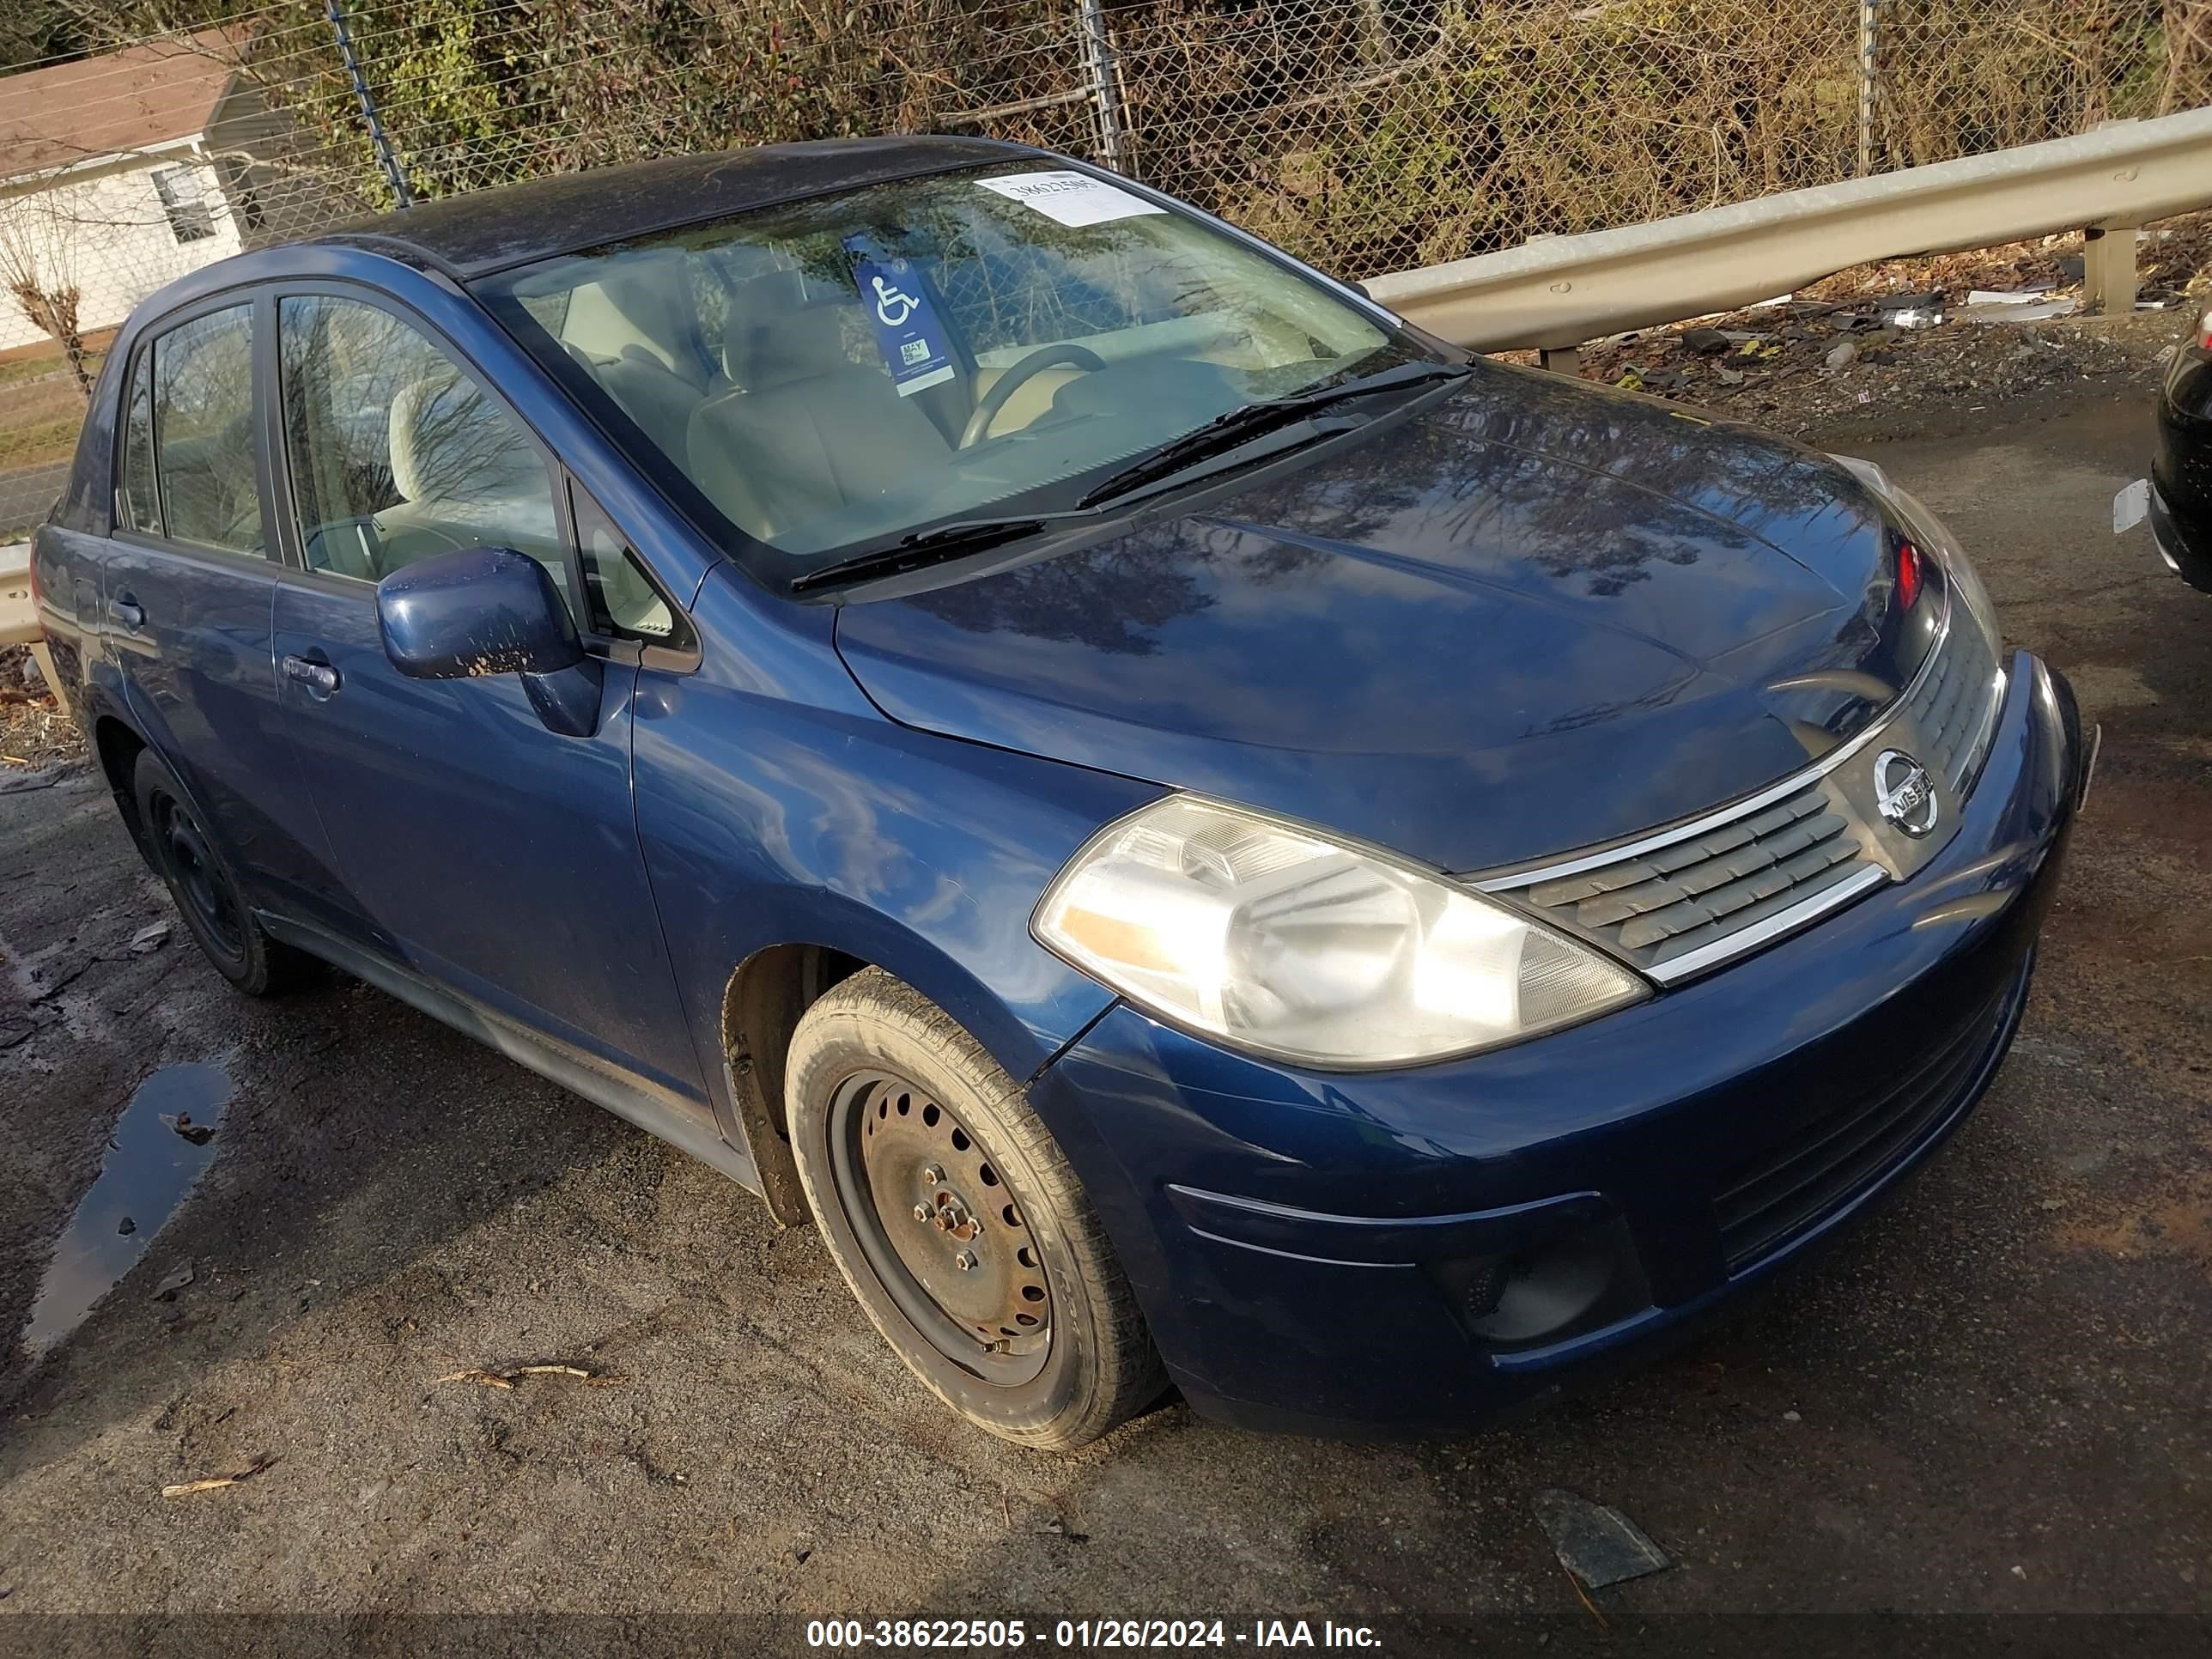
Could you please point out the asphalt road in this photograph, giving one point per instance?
(1990, 1401)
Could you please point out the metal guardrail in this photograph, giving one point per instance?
(1555, 293)
(18, 624)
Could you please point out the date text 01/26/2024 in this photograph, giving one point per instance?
(1008, 1635)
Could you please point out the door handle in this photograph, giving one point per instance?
(321, 680)
(127, 612)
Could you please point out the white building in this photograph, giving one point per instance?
(121, 172)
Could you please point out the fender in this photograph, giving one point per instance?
(777, 807)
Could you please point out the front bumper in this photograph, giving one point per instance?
(1316, 1252)
(2187, 553)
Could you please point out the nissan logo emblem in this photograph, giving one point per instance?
(1906, 792)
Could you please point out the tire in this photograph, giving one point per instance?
(1045, 1345)
(205, 889)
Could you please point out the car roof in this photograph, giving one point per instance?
(487, 230)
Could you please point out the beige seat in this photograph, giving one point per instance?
(466, 475)
(806, 432)
(636, 329)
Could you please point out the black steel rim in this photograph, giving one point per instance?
(196, 877)
(944, 1237)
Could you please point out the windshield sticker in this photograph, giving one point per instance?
(908, 332)
(1070, 198)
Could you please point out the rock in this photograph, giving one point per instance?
(125, 1227)
(1706, 342)
(1840, 356)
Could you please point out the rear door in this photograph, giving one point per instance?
(493, 856)
(188, 585)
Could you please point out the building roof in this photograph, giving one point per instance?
(114, 104)
(487, 230)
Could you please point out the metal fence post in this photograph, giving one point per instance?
(378, 139)
(1868, 34)
(1105, 87)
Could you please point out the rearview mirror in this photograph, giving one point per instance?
(487, 611)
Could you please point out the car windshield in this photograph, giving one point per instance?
(843, 371)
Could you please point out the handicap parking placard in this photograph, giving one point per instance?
(903, 312)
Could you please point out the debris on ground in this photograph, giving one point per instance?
(36, 735)
(217, 1482)
(172, 1281)
(506, 1379)
(151, 938)
(19, 678)
(1917, 347)
(1595, 1542)
(180, 1124)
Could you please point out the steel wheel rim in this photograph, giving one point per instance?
(194, 874)
(993, 1316)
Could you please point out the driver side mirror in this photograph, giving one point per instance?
(487, 611)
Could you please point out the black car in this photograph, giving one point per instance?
(2180, 501)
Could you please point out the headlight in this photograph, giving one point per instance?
(1276, 936)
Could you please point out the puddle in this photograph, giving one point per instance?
(148, 1169)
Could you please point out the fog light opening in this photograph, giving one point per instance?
(1547, 1291)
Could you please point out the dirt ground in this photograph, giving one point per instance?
(1989, 1404)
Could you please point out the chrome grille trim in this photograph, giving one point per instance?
(1866, 877)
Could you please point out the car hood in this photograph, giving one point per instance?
(1534, 618)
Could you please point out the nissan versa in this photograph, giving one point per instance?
(1203, 837)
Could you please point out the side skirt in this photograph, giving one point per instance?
(628, 1098)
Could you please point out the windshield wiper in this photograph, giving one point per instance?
(1249, 420)
(924, 548)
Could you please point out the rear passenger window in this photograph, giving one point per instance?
(396, 453)
(202, 410)
(137, 506)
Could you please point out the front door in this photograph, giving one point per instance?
(484, 851)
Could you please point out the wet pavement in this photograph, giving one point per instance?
(1990, 1403)
(156, 1150)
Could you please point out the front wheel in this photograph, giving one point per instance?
(955, 1217)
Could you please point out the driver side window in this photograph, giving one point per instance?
(397, 453)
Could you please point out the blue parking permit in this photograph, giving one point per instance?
(908, 332)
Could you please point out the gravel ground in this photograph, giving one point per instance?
(1987, 1404)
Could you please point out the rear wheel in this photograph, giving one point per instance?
(207, 894)
(953, 1215)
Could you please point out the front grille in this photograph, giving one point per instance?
(1955, 704)
(1685, 896)
(1766, 1203)
(1683, 901)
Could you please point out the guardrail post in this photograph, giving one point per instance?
(2108, 270)
(1868, 38)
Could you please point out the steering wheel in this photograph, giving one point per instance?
(1052, 356)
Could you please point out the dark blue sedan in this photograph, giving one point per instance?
(1203, 837)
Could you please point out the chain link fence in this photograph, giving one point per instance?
(141, 139)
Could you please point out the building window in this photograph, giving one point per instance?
(184, 199)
